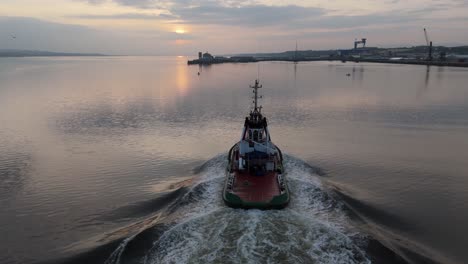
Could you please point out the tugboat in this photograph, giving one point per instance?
(254, 177)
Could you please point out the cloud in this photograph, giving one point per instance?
(143, 4)
(291, 17)
(229, 26)
(93, 2)
(130, 16)
(243, 14)
(137, 3)
(215, 14)
(251, 15)
(35, 34)
(248, 13)
(336, 22)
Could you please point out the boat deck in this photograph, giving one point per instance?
(252, 188)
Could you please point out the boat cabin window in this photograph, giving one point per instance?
(255, 134)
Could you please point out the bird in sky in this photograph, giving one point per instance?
(13, 36)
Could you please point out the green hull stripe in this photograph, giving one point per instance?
(279, 201)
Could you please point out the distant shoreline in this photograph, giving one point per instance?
(388, 61)
(39, 53)
(417, 55)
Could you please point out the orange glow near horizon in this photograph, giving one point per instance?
(181, 41)
(166, 27)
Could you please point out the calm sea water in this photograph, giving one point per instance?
(122, 159)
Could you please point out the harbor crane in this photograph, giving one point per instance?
(429, 45)
(357, 42)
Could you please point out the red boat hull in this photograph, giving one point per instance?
(254, 189)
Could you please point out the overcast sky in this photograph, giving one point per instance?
(183, 27)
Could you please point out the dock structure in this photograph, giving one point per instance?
(206, 59)
(446, 56)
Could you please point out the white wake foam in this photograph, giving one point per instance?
(312, 229)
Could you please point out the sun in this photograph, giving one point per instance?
(180, 31)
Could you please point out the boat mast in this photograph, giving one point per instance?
(256, 87)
